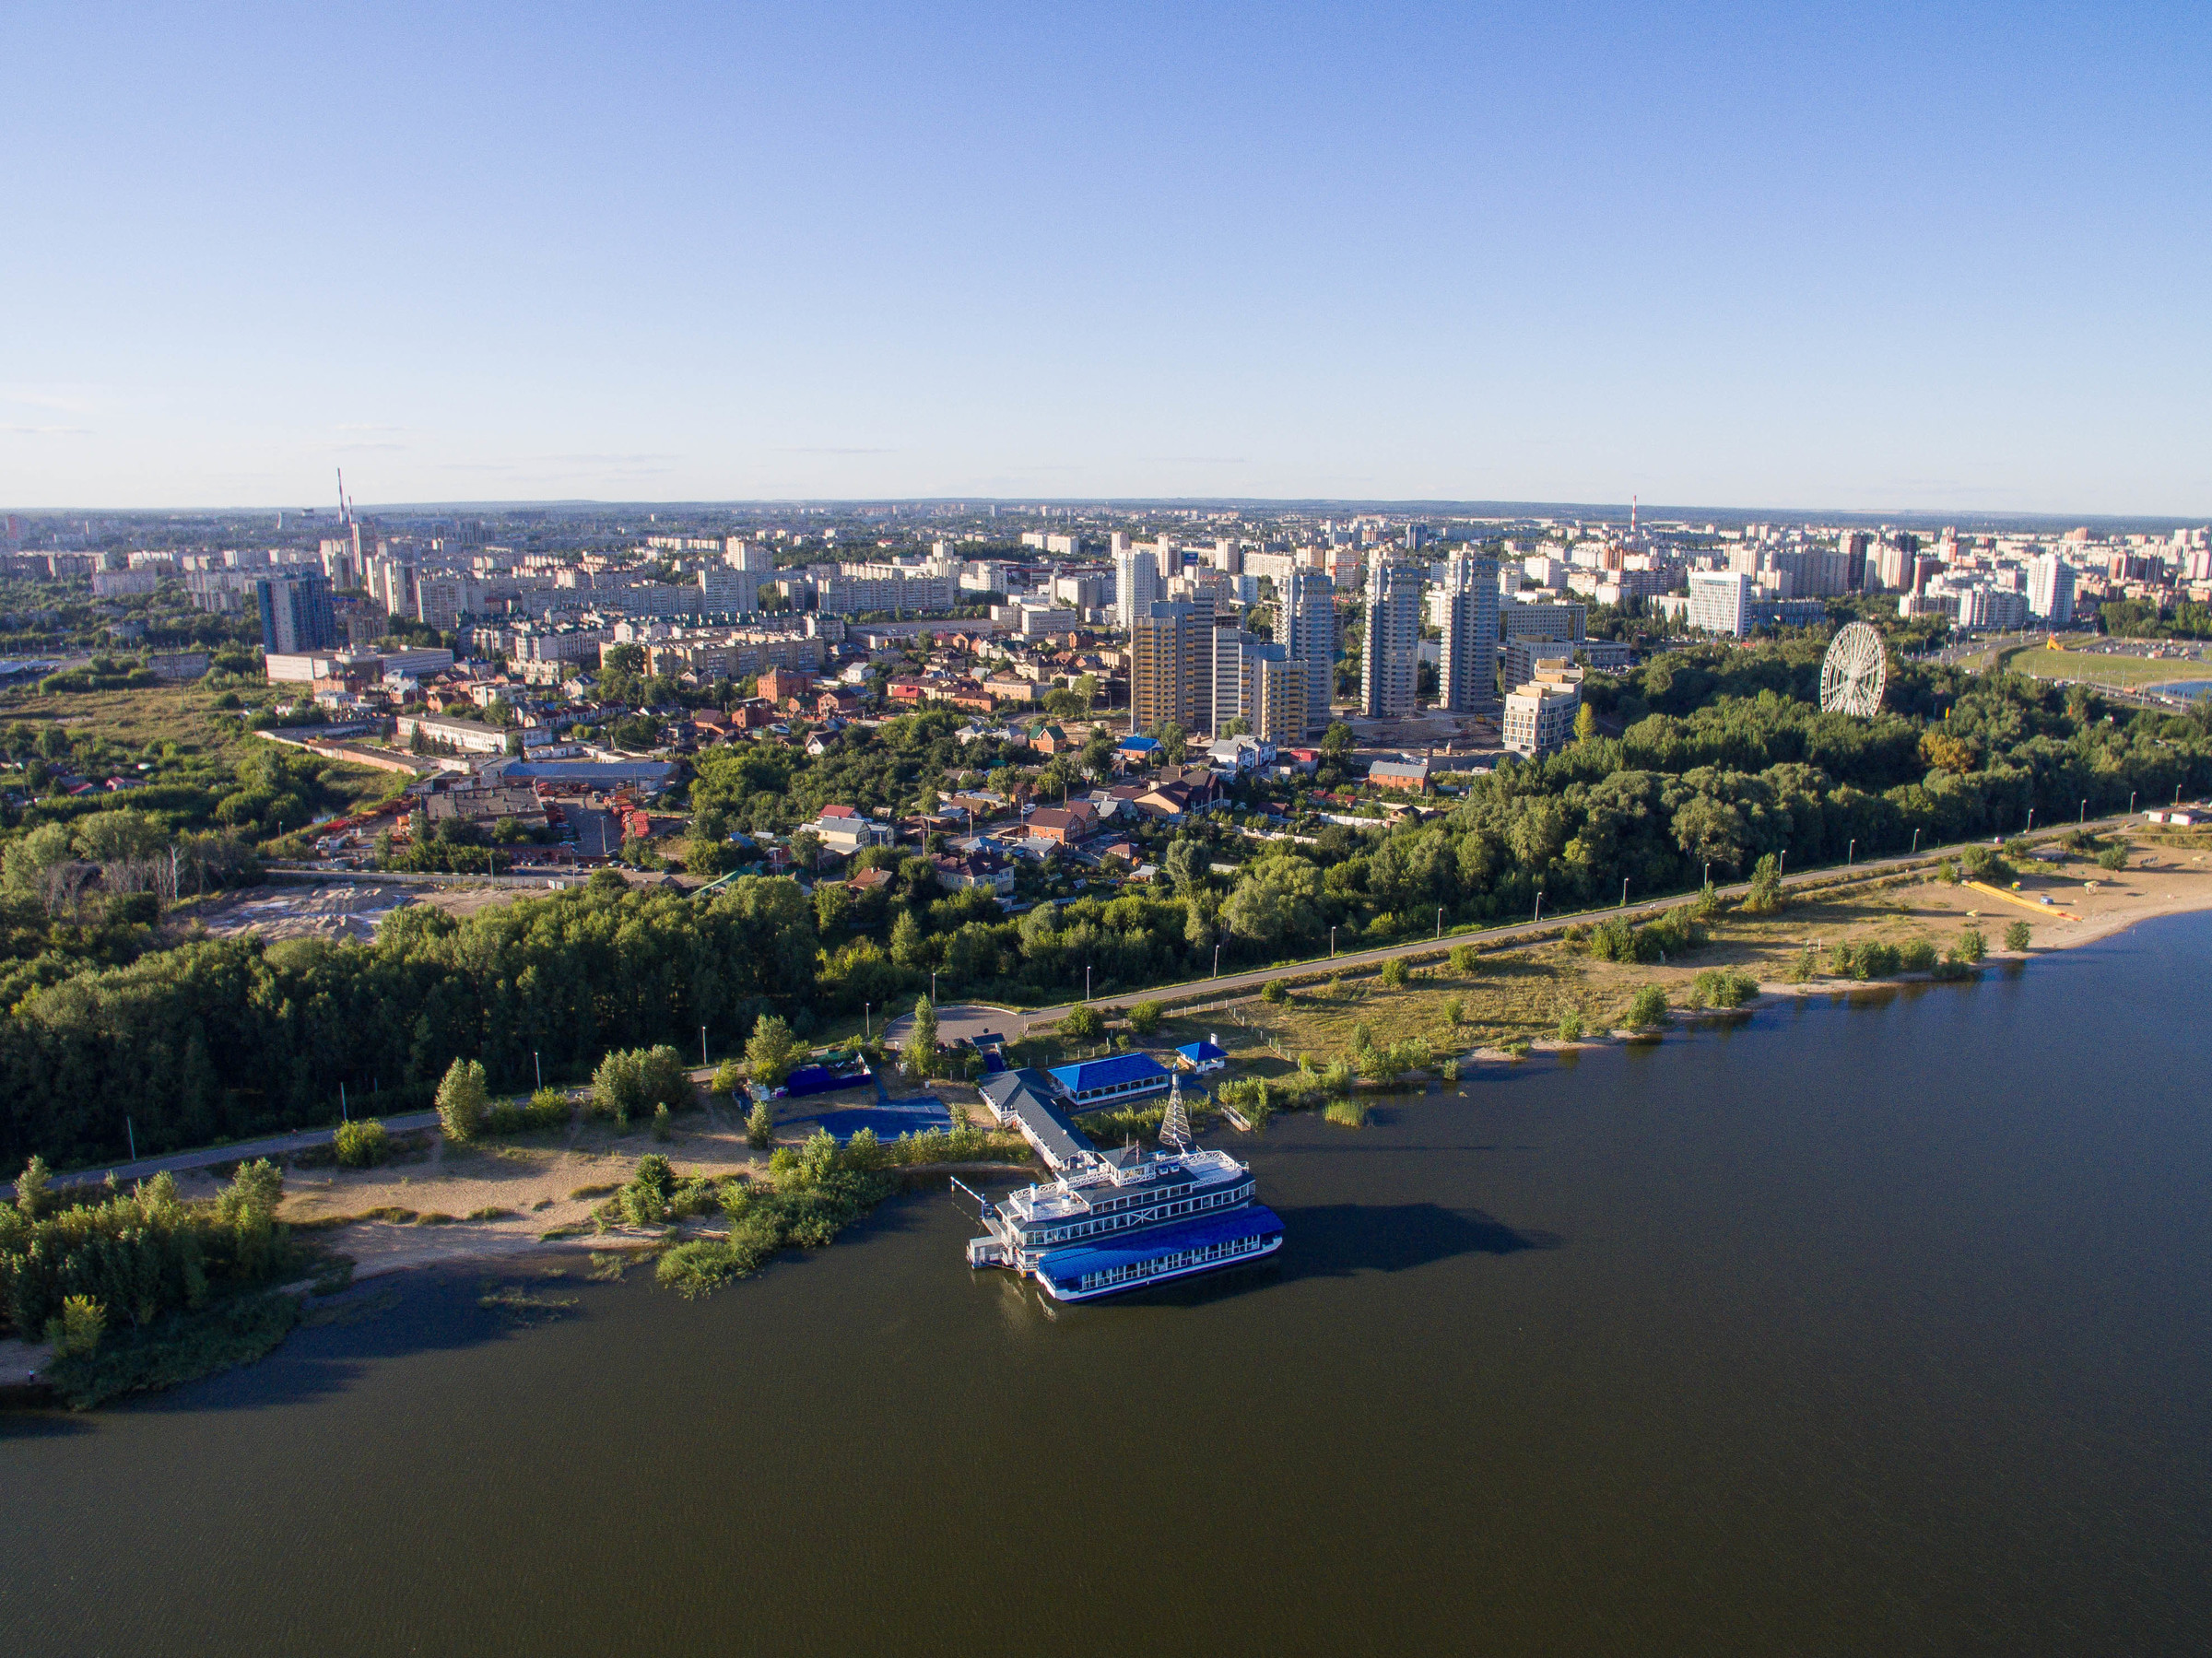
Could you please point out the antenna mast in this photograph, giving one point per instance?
(1175, 1127)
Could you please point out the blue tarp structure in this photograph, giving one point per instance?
(817, 1079)
(889, 1120)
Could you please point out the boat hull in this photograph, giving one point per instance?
(1160, 1255)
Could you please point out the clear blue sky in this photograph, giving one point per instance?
(1841, 255)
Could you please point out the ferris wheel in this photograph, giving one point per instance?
(1852, 672)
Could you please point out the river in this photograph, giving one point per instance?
(1880, 1327)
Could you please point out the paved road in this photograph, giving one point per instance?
(177, 1162)
(965, 1020)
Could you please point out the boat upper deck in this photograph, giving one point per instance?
(1119, 1181)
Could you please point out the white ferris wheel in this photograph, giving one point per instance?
(1851, 673)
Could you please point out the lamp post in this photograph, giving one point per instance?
(2030, 828)
(1539, 904)
(1707, 874)
(1217, 961)
(1439, 923)
(539, 1066)
(2131, 802)
(1851, 852)
(867, 1024)
(1086, 981)
(2085, 814)
(933, 989)
(1332, 944)
(1624, 892)
(702, 1047)
(1916, 843)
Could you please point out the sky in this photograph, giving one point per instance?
(1859, 256)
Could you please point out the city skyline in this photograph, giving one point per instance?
(1883, 262)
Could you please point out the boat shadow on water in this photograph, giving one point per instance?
(1337, 1240)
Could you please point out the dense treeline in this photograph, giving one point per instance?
(1724, 759)
(232, 1037)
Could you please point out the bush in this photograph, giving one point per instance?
(1571, 1025)
(659, 1121)
(548, 1108)
(761, 1127)
(362, 1145)
(631, 1083)
(1396, 974)
(1451, 1071)
(1878, 961)
(1273, 993)
(1083, 1024)
(1144, 1018)
(464, 1101)
(1348, 1114)
(76, 1330)
(729, 1079)
(1456, 1011)
(1971, 946)
(2017, 938)
(1721, 987)
(1919, 957)
(1464, 957)
(1803, 969)
(2114, 858)
(1647, 1008)
(645, 1199)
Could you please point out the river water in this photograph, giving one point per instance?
(1848, 1329)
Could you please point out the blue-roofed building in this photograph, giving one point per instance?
(1137, 747)
(1095, 1083)
(1205, 1056)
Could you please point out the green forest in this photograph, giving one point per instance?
(1723, 757)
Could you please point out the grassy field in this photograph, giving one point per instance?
(2042, 664)
(1516, 996)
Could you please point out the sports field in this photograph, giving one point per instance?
(2046, 663)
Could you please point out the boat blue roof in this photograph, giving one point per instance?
(1068, 1265)
(1107, 1073)
(1196, 1053)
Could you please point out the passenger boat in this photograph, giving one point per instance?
(1114, 1221)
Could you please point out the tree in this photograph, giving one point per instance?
(1585, 724)
(463, 1099)
(1571, 1025)
(1144, 1017)
(33, 1195)
(1766, 896)
(1971, 946)
(772, 1051)
(1394, 972)
(1186, 865)
(1275, 993)
(1337, 739)
(1173, 742)
(1083, 1024)
(918, 1053)
(2114, 858)
(760, 1126)
(1647, 1008)
(2016, 937)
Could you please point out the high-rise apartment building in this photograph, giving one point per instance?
(1172, 667)
(1464, 608)
(1719, 602)
(1305, 624)
(1137, 586)
(1392, 640)
(2051, 589)
(296, 614)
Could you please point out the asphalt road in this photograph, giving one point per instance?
(178, 1162)
(967, 1019)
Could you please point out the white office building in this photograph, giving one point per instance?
(2051, 589)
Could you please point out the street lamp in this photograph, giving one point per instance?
(1850, 851)
(2131, 802)
(539, 1065)
(702, 1046)
(933, 988)
(1086, 981)
(2085, 812)
(1332, 943)
(1440, 921)
(1915, 843)
(1624, 891)
(1217, 961)
(867, 1026)
(1539, 904)
(2030, 828)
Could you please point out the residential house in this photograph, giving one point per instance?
(846, 830)
(1410, 775)
(1064, 826)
